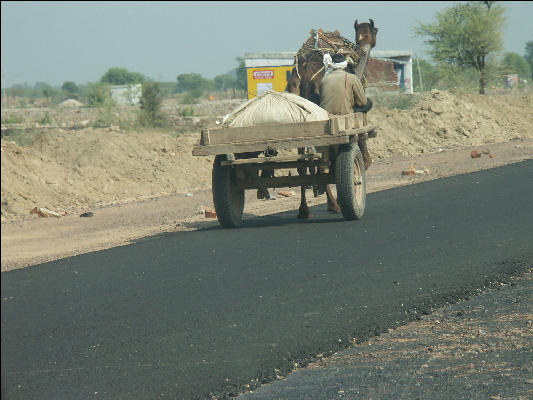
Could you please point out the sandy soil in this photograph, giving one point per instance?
(143, 183)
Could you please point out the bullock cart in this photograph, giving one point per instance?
(246, 158)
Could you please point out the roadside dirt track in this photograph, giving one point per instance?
(36, 240)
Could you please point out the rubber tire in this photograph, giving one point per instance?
(351, 198)
(228, 201)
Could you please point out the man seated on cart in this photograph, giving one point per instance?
(342, 93)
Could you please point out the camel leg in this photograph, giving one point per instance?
(366, 155)
(330, 153)
(363, 146)
(264, 174)
(332, 202)
(303, 211)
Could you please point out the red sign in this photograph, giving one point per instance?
(268, 74)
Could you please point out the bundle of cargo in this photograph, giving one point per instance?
(330, 42)
(275, 108)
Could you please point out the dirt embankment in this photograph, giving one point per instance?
(445, 121)
(76, 170)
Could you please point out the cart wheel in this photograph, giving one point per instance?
(228, 199)
(351, 181)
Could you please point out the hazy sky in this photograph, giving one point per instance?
(79, 41)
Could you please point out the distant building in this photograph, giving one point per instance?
(267, 71)
(387, 70)
(510, 81)
(126, 94)
(391, 70)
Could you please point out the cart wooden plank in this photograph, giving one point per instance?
(287, 181)
(333, 126)
(338, 129)
(263, 160)
(285, 165)
(280, 144)
(277, 144)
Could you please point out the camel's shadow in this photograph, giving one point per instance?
(319, 216)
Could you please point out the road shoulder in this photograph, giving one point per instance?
(481, 348)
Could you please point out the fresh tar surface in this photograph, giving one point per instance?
(189, 314)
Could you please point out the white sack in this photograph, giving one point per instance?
(275, 108)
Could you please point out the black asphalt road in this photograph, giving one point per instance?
(183, 315)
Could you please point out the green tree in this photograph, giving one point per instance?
(428, 74)
(49, 92)
(23, 90)
(41, 85)
(167, 88)
(194, 84)
(240, 82)
(514, 63)
(46, 90)
(465, 35)
(223, 82)
(71, 89)
(121, 76)
(529, 55)
(455, 77)
(150, 101)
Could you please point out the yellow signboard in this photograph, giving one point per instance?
(261, 79)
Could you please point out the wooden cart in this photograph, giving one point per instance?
(246, 158)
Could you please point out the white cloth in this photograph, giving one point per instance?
(330, 66)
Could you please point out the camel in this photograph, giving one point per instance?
(308, 72)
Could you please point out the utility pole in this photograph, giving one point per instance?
(4, 97)
(419, 73)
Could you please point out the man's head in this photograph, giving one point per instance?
(337, 61)
(338, 58)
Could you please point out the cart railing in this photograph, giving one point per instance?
(338, 129)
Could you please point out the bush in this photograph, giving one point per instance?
(46, 120)
(151, 100)
(12, 119)
(97, 94)
(51, 94)
(22, 137)
(186, 112)
(106, 113)
(189, 98)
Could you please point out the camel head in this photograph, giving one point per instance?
(365, 33)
